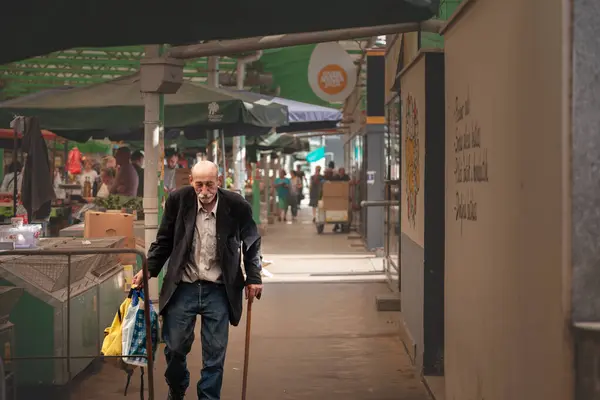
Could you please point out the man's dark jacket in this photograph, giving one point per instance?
(235, 230)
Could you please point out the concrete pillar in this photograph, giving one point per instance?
(153, 156)
(374, 145)
(213, 135)
(374, 165)
(584, 125)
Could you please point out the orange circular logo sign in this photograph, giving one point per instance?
(333, 79)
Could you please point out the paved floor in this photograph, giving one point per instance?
(310, 341)
(301, 237)
(296, 253)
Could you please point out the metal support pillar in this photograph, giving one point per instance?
(239, 142)
(264, 163)
(153, 156)
(272, 211)
(213, 81)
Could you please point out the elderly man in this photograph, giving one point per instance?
(204, 232)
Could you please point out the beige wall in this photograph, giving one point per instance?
(506, 324)
(412, 82)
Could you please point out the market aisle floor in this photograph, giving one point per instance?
(313, 340)
(300, 237)
(295, 252)
(309, 341)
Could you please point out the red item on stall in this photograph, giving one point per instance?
(24, 217)
(74, 162)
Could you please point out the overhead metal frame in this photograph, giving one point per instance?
(87, 66)
(231, 47)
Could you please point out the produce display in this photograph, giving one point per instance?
(7, 197)
(115, 202)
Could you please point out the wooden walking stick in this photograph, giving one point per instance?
(247, 348)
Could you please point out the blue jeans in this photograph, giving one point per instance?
(179, 320)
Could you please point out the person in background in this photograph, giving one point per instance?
(328, 175)
(57, 181)
(109, 162)
(14, 168)
(88, 174)
(126, 181)
(316, 184)
(172, 160)
(282, 186)
(303, 182)
(295, 187)
(342, 175)
(137, 160)
(107, 177)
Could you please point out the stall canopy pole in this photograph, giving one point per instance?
(239, 142)
(224, 161)
(213, 81)
(18, 125)
(153, 154)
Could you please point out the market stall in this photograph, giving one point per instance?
(11, 154)
(97, 286)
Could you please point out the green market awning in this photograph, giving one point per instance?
(287, 144)
(32, 27)
(115, 109)
(274, 141)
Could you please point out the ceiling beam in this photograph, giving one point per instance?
(230, 47)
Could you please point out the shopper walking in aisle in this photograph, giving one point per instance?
(203, 232)
(293, 200)
(303, 182)
(340, 176)
(282, 186)
(316, 185)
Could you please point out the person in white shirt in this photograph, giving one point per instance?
(58, 180)
(88, 172)
(107, 176)
(9, 178)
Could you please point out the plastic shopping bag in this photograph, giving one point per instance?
(134, 331)
(112, 344)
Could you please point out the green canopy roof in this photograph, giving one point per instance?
(116, 109)
(281, 142)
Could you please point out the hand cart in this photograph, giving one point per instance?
(335, 217)
(69, 253)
